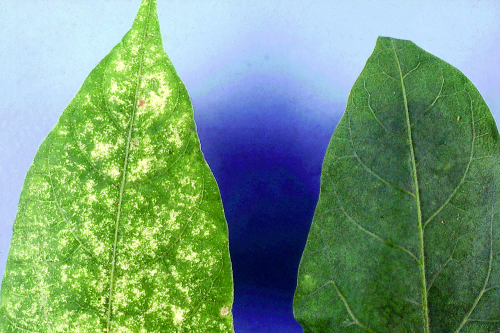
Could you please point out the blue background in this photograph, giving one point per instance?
(269, 81)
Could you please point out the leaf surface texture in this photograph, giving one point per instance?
(405, 235)
(120, 226)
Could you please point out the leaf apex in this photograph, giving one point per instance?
(147, 10)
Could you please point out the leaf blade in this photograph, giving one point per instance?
(398, 199)
(120, 225)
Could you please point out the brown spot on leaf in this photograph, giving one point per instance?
(224, 311)
(142, 102)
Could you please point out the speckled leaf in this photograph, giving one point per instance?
(120, 226)
(405, 236)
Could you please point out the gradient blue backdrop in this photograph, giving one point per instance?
(269, 81)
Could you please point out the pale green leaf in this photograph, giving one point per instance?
(405, 236)
(120, 226)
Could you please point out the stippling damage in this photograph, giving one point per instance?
(169, 268)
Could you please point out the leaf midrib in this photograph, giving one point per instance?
(421, 262)
(124, 173)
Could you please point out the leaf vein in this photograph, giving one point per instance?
(123, 181)
(372, 234)
(376, 118)
(63, 215)
(425, 311)
(486, 280)
(455, 190)
(433, 102)
(369, 170)
(348, 308)
(19, 328)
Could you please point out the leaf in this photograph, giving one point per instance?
(405, 236)
(120, 226)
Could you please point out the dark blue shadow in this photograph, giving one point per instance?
(266, 154)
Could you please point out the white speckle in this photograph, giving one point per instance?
(157, 100)
(224, 311)
(188, 254)
(113, 171)
(173, 271)
(89, 127)
(64, 276)
(135, 49)
(185, 290)
(143, 166)
(114, 98)
(135, 244)
(120, 66)
(89, 187)
(174, 136)
(101, 150)
(178, 315)
(172, 221)
(114, 87)
(186, 180)
(99, 249)
(88, 100)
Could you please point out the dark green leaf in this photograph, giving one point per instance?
(120, 226)
(405, 236)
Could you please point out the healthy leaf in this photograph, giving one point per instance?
(120, 226)
(405, 236)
